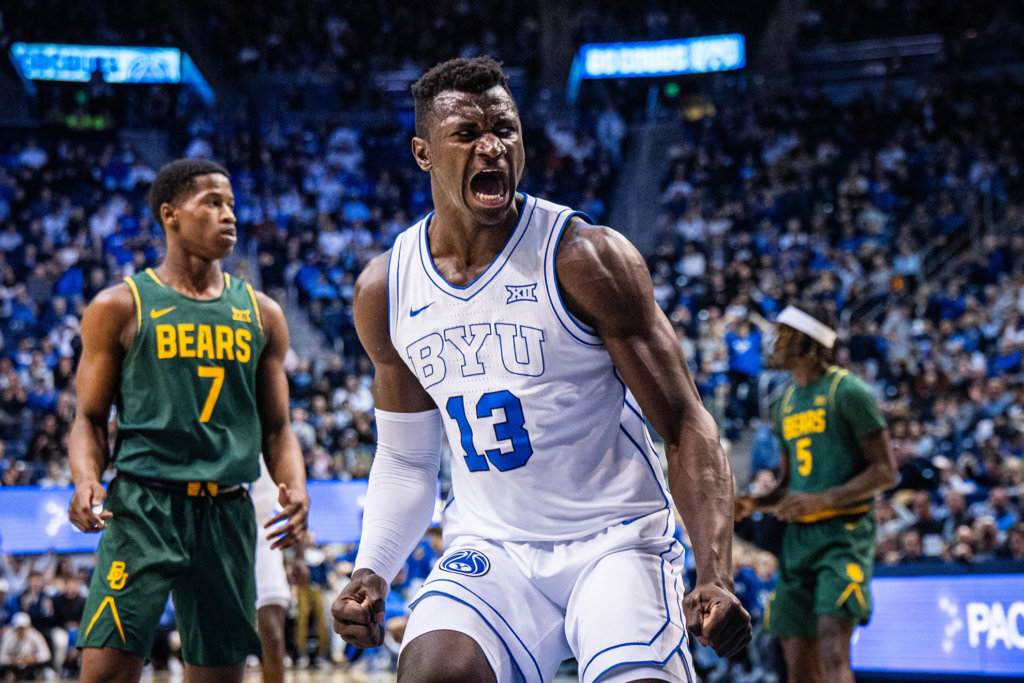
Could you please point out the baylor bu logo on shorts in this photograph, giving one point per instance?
(467, 563)
(117, 575)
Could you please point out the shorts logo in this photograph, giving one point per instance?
(856, 574)
(467, 563)
(240, 315)
(117, 575)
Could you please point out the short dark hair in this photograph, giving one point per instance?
(177, 177)
(475, 76)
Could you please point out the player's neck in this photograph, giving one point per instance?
(456, 234)
(806, 372)
(191, 275)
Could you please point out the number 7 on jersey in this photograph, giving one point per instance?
(217, 374)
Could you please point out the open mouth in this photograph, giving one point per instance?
(490, 188)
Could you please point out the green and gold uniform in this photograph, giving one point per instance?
(827, 558)
(188, 436)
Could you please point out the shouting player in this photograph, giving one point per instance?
(836, 457)
(533, 339)
(193, 359)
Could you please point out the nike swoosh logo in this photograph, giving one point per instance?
(156, 314)
(416, 311)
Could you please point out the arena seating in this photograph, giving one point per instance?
(901, 212)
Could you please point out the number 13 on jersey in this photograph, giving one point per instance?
(511, 430)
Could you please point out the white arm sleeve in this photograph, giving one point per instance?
(402, 489)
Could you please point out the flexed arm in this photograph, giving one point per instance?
(606, 284)
(403, 479)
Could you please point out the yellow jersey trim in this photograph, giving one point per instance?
(138, 304)
(149, 272)
(785, 398)
(113, 611)
(840, 374)
(835, 512)
(255, 306)
(227, 280)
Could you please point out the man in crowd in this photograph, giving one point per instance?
(23, 650)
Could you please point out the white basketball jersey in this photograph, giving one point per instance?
(547, 443)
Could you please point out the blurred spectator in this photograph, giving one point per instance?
(68, 608)
(309, 576)
(23, 650)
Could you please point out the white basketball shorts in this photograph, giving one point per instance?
(271, 581)
(612, 600)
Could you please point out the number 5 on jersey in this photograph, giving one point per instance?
(511, 430)
(803, 456)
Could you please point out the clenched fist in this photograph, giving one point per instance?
(717, 619)
(358, 610)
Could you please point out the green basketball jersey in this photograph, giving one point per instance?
(819, 427)
(187, 402)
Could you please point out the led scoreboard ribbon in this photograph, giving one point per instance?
(663, 57)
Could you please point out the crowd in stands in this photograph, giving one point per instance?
(315, 205)
(985, 22)
(764, 203)
(901, 212)
(353, 40)
(41, 605)
(99, 23)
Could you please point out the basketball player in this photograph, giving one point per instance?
(835, 458)
(526, 332)
(272, 592)
(193, 359)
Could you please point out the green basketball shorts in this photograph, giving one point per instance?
(824, 570)
(199, 549)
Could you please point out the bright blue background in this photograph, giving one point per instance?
(35, 520)
(908, 626)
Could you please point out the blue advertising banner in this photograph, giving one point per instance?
(955, 626)
(663, 57)
(35, 520)
(336, 510)
(54, 62)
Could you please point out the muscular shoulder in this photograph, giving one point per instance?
(849, 386)
(111, 315)
(114, 305)
(855, 402)
(270, 311)
(372, 284)
(275, 325)
(116, 300)
(601, 275)
(370, 308)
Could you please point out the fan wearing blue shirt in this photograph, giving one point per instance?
(744, 342)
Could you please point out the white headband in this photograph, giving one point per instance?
(799, 320)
